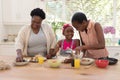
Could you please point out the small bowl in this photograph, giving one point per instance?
(112, 61)
(86, 61)
(102, 63)
(54, 63)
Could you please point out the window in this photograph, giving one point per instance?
(106, 12)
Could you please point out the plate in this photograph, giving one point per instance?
(20, 63)
(62, 58)
(27, 58)
(33, 59)
(86, 61)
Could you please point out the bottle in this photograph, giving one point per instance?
(76, 61)
(119, 42)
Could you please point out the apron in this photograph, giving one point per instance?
(68, 51)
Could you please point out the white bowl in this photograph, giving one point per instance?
(86, 61)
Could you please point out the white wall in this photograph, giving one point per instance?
(0, 19)
(16, 13)
(0, 11)
(2, 30)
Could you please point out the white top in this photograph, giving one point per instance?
(21, 41)
(37, 44)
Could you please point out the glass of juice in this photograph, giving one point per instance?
(40, 60)
(76, 63)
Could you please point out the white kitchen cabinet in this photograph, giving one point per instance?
(17, 12)
(0, 12)
(7, 49)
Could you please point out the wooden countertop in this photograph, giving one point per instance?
(7, 43)
(34, 71)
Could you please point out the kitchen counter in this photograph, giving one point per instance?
(7, 48)
(34, 71)
(7, 43)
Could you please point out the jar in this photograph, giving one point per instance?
(119, 42)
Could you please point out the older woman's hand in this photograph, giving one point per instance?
(19, 59)
(48, 56)
(19, 56)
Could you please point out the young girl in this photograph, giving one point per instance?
(67, 44)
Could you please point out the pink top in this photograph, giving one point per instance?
(71, 44)
(90, 38)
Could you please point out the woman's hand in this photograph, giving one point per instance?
(48, 56)
(81, 48)
(19, 56)
(68, 60)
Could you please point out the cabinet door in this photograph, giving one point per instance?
(18, 11)
(10, 11)
(7, 50)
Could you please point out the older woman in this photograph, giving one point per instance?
(91, 33)
(34, 39)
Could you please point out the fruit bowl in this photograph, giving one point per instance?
(86, 61)
(112, 61)
(54, 63)
(102, 63)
